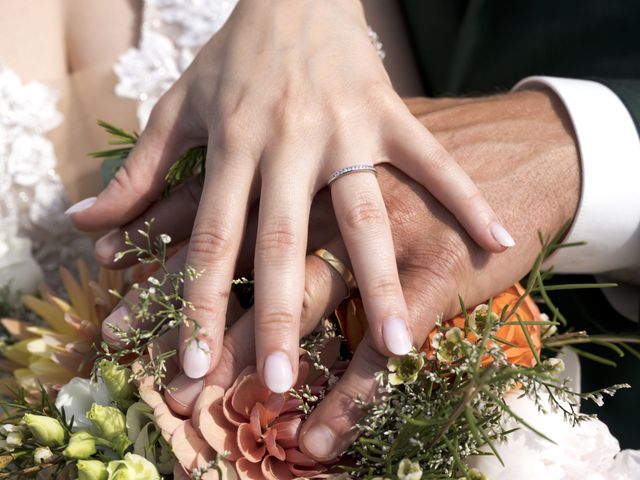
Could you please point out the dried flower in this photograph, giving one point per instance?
(42, 455)
(52, 355)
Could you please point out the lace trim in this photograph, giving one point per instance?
(172, 33)
(32, 199)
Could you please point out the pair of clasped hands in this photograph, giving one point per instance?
(282, 106)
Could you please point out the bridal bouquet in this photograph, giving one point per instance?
(76, 408)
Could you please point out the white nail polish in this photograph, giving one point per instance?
(196, 359)
(396, 336)
(319, 441)
(81, 205)
(278, 374)
(502, 236)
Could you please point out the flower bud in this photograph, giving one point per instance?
(117, 379)
(42, 455)
(92, 470)
(408, 470)
(109, 422)
(133, 467)
(553, 365)
(46, 431)
(82, 445)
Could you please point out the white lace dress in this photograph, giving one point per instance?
(32, 199)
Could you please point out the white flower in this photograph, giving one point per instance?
(584, 452)
(408, 470)
(42, 454)
(76, 398)
(133, 467)
(17, 266)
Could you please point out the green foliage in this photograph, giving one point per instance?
(455, 408)
(188, 165)
(159, 309)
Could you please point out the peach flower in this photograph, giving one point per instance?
(256, 428)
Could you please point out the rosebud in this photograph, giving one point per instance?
(92, 470)
(117, 379)
(82, 445)
(109, 422)
(42, 455)
(133, 467)
(46, 431)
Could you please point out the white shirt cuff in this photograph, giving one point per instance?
(608, 216)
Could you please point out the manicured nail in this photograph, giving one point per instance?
(502, 236)
(319, 441)
(81, 205)
(183, 393)
(278, 374)
(396, 336)
(118, 320)
(197, 359)
(109, 243)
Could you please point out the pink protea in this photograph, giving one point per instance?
(256, 428)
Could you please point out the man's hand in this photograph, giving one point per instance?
(519, 149)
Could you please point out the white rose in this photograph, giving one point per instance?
(18, 268)
(76, 398)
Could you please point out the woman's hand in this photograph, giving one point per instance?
(288, 92)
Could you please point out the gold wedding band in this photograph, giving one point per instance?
(339, 267)
(352, 169)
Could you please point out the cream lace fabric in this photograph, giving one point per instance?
(32, 200)
(172, 33)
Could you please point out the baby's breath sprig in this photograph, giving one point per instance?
(453, 407)
(159, 308)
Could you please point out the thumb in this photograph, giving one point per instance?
(141, 180)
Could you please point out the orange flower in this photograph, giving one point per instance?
(353, 324)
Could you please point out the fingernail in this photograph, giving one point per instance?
(183, 393)
(396, 336)
(196, 359)
(81, 205)
(119, 319)
(502, 236)
(319, 441)
(110, 243)
(278, 374)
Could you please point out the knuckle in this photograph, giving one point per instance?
(203, 308)
(439, 262)
(277, 237)
(210, 245)
(231, 132)
(279, 320)
(384, 286)
(364, 212)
